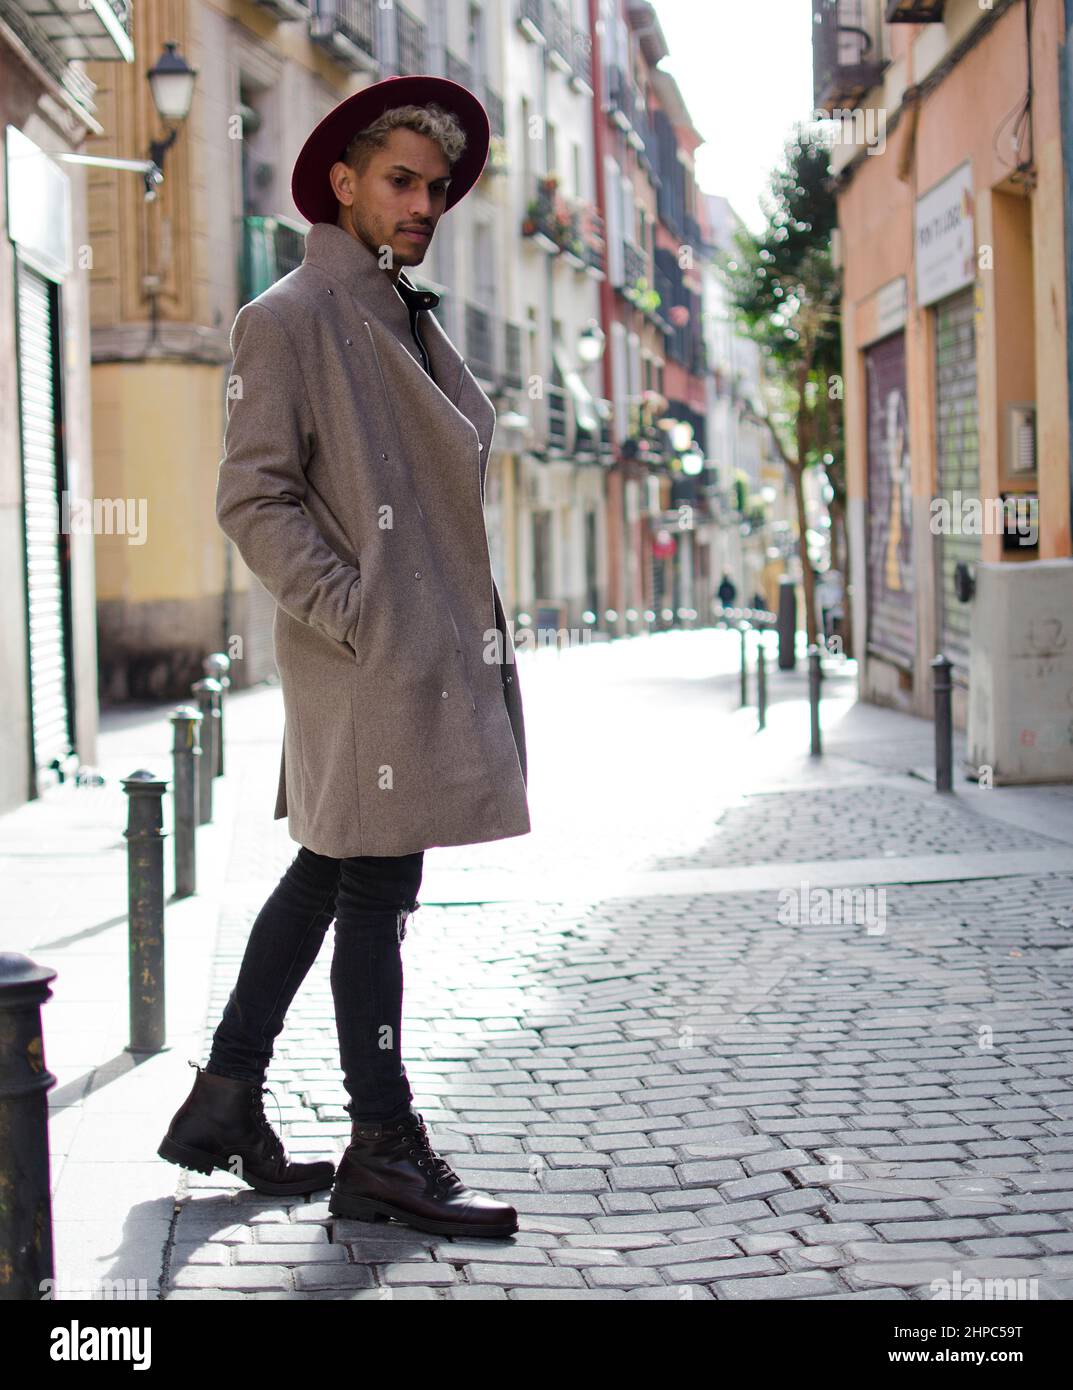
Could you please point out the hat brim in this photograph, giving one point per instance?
(310, 188)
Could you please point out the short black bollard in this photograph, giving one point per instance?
(217, 665)
(815, 676)
(206, 691)
(786, 622)
(743, 633)
(944, 727)
(145, 916)
(761, 683)
(26, 1261)
(186, 750)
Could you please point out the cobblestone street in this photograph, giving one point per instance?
(615, 1024)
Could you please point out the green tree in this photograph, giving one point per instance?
(786, 293)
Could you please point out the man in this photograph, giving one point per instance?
(353, 486)
(727, 591)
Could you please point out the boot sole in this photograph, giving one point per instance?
(368, 1209)
(197, 1160)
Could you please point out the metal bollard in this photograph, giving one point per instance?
(206, 691)
(145, 888)
(815, 676)
(217, 665)
(26, 1261)
(761, 683)
(944, 727)
(186, 752)
(743, 633)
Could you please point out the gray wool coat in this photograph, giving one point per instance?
(353, 486)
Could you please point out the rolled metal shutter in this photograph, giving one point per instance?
(891, 627)
(958, 456)
(46, 546)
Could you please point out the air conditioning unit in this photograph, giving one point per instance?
(1021, 460)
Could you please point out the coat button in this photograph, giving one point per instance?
(330, 290)
(509, 679)
(383, 456)
(350, 342)
(417, 574)
(443, 694)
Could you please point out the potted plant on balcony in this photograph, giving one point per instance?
(497, 162)
(644, 297)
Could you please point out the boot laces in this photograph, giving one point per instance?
(262, 1121)
(441, 1171)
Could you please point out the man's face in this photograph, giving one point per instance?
(398, 198)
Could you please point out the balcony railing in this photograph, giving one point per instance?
(480, 346)
(493, 104)
(582, 58)
(531, 19)
(512, 355)
(347, 30)
(643, 131)
(592, 234)
(555, 398)
(56, 33)
(459, 71)
(846, 59)
(412, 42)
(270, 248)
(559, 40)
(620, 98)
(634, 262)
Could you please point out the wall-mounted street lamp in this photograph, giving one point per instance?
(590, 344)
(171, 81)
(172, 85)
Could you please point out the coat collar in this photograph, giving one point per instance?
(350, 261)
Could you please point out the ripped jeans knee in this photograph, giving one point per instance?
(402, 916)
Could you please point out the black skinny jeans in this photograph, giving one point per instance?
(370, 898)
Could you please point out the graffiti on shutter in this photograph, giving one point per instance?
(889, 533)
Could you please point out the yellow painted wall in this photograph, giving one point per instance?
(158, 430)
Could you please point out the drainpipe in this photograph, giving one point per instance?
(1065, 86)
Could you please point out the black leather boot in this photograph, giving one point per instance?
(391, 1169)
(222, 1124)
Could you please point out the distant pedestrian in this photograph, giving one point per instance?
(727, 591)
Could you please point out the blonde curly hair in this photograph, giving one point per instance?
(431, 120)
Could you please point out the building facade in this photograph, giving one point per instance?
(951, 205)
(49, 107)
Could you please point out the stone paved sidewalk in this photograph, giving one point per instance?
(687, 1089)
(699, 1094)
(684, 1096)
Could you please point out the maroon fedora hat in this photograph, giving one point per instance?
(310, 188)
